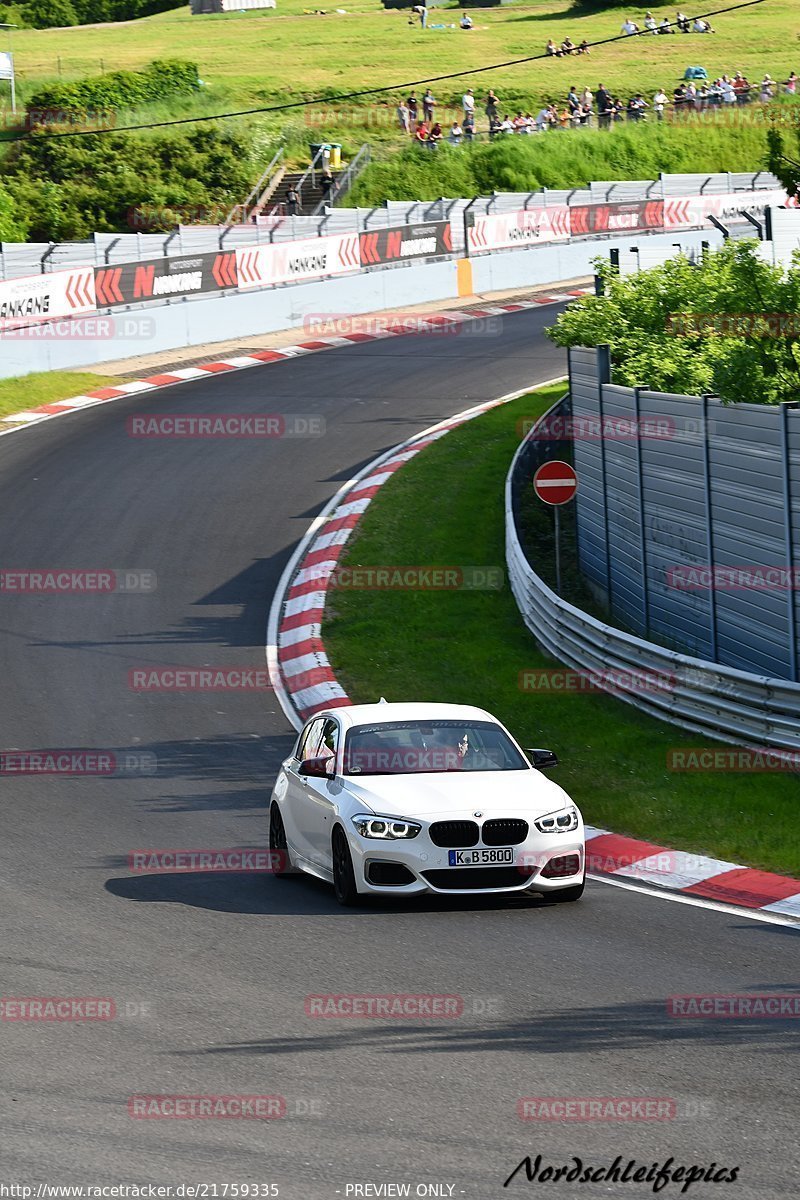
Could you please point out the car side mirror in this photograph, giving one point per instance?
(541, 759)
(317, 768)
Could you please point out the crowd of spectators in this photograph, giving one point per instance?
(583, 108)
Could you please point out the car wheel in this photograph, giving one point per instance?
(279, 852)
(344, 877)
(565, 895)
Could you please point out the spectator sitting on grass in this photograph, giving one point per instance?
(434, 137)
(455, 135)
(552, 49)
(466, 21)
(494, 126)
(629, 27)
(682, 21)
(421, 133)
(507, 125)
(568, 46)
(665, 26)
(650, 23)
(583, 48)
(544, 118)
(701, 26)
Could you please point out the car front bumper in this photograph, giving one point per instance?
(429, 866)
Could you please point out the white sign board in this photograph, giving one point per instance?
(6, 65)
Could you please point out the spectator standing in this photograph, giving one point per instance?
(421, 133)
(422, 12)
(413, 108)
(403, 117)
(573, 100)
(469, 126)
(767, 89)
(326, 184)
(587, 97)
(492, 105)
(468, 103)
(292, 201)
(679, 99)
(428, 105)
(604, 105)
(659, 104)
(790, 86)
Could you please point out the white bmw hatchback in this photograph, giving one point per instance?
(400, 799)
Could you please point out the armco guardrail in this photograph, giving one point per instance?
(720, 702)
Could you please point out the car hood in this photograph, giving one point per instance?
(492, 793)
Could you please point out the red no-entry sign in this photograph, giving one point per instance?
(555, 482)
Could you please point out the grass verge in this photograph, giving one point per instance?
(29, 391)
(446, 507)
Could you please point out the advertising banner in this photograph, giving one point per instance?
(524, 227)
(401, 242)
(687, 211)
(36, 298)
(287, 262)
(160, 278)
(616, 218)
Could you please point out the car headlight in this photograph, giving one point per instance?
(387, 829)
(558, 822)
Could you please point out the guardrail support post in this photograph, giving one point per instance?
(604, 377)
(788, 527)
(640, 496)
(712, 591)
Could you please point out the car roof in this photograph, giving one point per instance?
(372, 714)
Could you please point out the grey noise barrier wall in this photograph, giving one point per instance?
(720, 485)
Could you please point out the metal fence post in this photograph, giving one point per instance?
(604, 377)
(712, 591)
(640, 493)
(788, 527)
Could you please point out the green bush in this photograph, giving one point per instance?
(642, 318)
(66, 188)
(113, 91)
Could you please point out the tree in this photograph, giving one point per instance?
(781, 162)
(712, 327)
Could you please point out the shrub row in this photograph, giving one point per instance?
(47, 14)
(160, 80)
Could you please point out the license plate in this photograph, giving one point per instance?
(480, 858)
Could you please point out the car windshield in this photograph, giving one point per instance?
(430, 747)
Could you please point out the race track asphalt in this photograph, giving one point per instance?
(209, 972)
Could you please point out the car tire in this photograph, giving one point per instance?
(282, 866)
(567, 895)
(344, 877)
